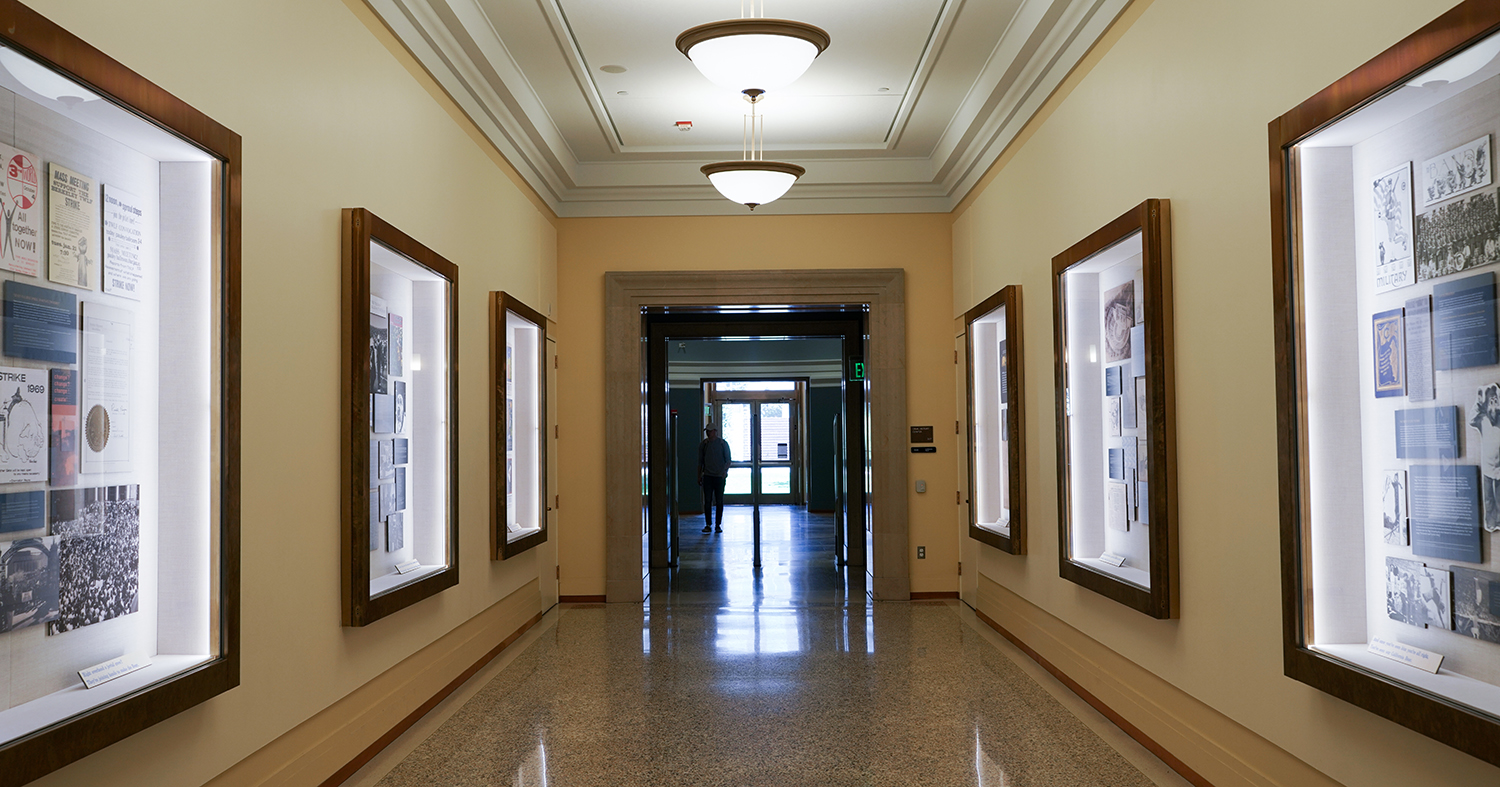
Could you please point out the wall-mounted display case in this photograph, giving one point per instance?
(1112, 311)
(518, 460)
(997, 447)
(1386, 247)
(400, 314)
(119, 401)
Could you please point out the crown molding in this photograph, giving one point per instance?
(460, 47)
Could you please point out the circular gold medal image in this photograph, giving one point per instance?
(96, 428)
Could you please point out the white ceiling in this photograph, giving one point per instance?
(909, 105)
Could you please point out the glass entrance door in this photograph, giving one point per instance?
(763, 433)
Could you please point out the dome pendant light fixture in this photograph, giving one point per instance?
(753, 181)
(753, 53)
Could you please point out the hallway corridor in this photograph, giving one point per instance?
(790, 679)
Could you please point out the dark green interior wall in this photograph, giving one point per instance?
(822, 406)
(688, 402)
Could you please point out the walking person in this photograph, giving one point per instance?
(713, 470)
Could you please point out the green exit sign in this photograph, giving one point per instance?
(856, 370)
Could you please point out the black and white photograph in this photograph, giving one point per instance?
(1476, 603)
(99, 575)
(395, 532)
(1486, 421)
(374, 463)
(1393, 509)
(1112, 416)
(380, 354)
(400, 489)
(1459, 171)
(1458, 236)
(1119, 318)
(398, 346)
(400, 407)
(387, 459)
(28, 583)
(1393, 229)
(1417, 595)
(402, 449)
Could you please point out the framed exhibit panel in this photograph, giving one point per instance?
(1386, 252)
(997, 418)
(119, 401)
(1116, 437)
(518, 455)
(400, 541)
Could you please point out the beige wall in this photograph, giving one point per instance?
(330, 119)
(587, 248)
(1178, 108)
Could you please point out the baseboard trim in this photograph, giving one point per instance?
(328, 747)
(1199, 742)
(349, 769)
(1133, 731)
(926, 595)
(599, 599)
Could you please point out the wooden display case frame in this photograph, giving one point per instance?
(1152, 219)
(1430, 715)
(51, 748)
(1015, 394)
(500, 547)
(359, 228)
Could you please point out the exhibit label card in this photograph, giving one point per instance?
(1445, 512)
(1464, 323)
(107, 352)
(23, 511)
(1427, 433)
(1393, 230)
(1390, 359)
(72, 228)
(40, 324)
(102, 673)
(21, 243)
(125, 220)
(1459, 171)
(23, 425)
(1112, 559)
(1419, 382)
(1406, 654)
(63, 467)
(1114, 507)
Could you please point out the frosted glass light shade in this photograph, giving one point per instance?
(753, 183)
(753, 54)
(42, 80)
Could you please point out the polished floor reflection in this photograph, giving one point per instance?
(786, 678)
(797, 562)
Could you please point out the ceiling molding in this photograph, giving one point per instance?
(461, 48)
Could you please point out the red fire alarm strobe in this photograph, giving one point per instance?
(684, 125)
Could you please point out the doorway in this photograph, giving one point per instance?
(763, 417)
(879, 293)
(762, 422)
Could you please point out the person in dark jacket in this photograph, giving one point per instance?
(713, 470)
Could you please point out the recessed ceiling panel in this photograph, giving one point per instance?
(790, 122)
(870, 52)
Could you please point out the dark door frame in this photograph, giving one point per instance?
(662, 326)
(627, 293)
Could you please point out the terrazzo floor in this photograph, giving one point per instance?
(790, 677)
